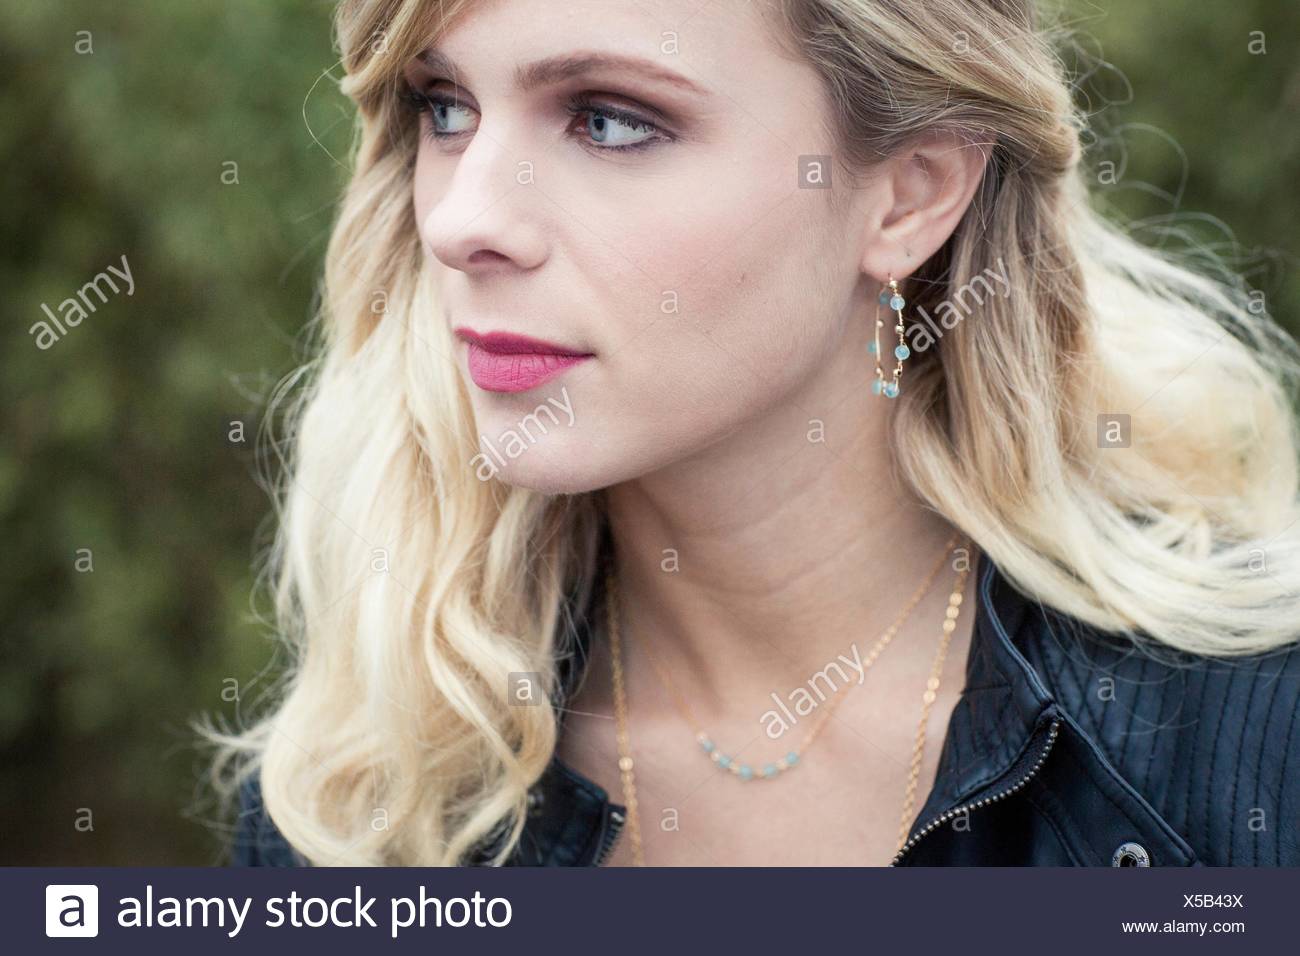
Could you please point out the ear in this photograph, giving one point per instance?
(921, 194)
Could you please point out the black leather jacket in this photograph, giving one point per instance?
(1068, 747)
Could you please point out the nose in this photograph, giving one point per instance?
(485, 218)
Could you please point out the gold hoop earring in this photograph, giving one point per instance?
(891, 297)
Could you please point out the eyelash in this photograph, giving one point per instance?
(579, 104)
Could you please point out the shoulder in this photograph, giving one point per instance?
(1213, 744)
(257, 841)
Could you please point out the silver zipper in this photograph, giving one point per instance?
(948, 815)
(609, 836)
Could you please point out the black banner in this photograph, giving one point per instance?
(255, 910)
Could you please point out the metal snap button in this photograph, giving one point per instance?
(534, 801)
(1131, 854)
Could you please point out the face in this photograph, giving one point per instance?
(633, 254)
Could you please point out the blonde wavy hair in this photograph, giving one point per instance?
(406, 590)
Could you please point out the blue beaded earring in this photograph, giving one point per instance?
(892, 298)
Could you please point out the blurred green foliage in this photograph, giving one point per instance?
(116, 440)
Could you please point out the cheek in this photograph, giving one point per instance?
(424, 179)
(748, 296)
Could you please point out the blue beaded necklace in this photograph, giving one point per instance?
(767, 771)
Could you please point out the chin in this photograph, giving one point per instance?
(556, 461)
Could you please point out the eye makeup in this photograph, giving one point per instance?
(598, 125)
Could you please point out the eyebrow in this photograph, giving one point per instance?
(565, 66)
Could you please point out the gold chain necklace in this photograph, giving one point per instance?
(625, 762)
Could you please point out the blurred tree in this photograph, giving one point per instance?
(1196, 109)
(175, 134)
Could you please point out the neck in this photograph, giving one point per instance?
(750, 566)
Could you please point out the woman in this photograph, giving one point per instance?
(736, 441)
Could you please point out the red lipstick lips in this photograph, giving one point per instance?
(502, 362)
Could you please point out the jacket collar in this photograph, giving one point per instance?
(1003, 705)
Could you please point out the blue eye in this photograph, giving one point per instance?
(610, 128)
(445, 113)
(603, 127)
